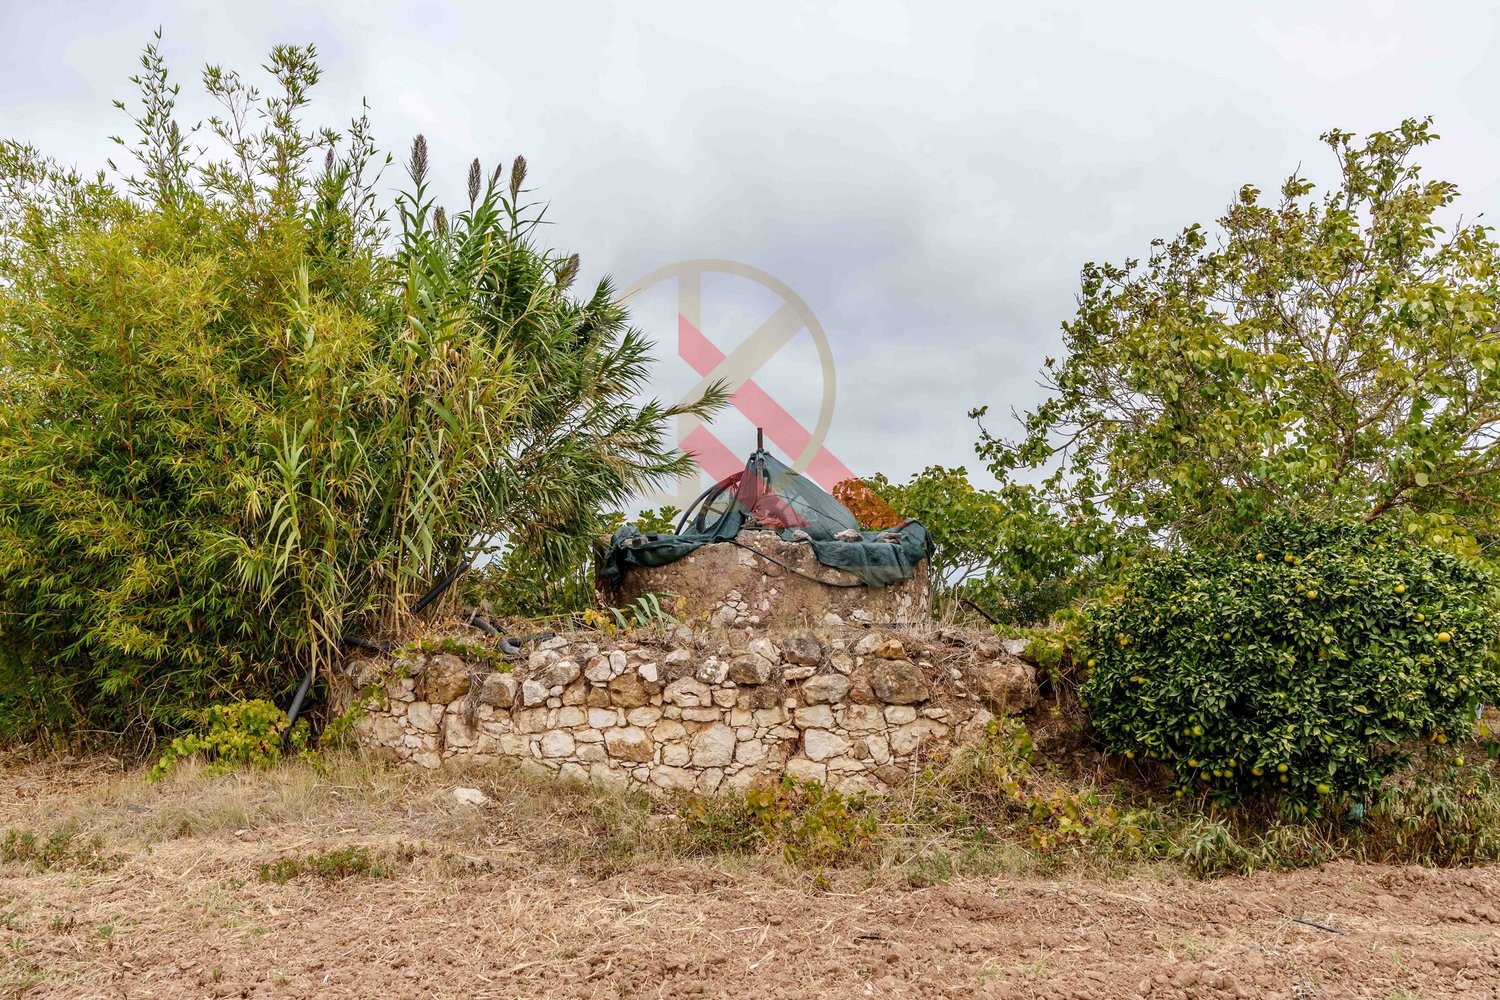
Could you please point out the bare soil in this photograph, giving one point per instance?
(531, 897)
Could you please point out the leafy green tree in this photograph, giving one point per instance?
(245, 410)
(1006, 550)
(1300, 665)
(1333, 352)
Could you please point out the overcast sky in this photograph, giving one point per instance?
(928, 178)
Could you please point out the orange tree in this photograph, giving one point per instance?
(1299, 663)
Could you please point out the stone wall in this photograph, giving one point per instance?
(747, 585)
(693, 710)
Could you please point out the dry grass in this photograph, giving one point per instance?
(393, 889)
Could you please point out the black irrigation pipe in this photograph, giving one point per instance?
(437, 591)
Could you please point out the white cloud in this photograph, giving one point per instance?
(929, 178)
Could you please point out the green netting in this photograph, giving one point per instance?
(771, 497)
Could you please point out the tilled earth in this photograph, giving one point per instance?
(186, 916)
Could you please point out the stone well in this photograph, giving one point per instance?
(746, 584)
(690, 710)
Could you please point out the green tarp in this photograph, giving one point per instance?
(769, 496)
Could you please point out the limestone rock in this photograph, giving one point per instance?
(597, 669)
(763, 696)
(712, 671)
(444, 678)
(765, 648)
(533, 692)
(867, 644)
(363, 671)
(797, 673)
(891, 649)
(750, 668)
(826, 689)
(686, 692)
(805, 770)
(814, 717)
(842, 662)
(471, 797)
(678, 664)
(674, 779)
(557, 744)
(628, 691)
(1004, 685)
(713, 746)
(558, 673)
(820, 744)
(424, 717)
(899, 682)
(498, 690)
(630, 744)
(802, 649)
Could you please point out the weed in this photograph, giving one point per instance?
(62, 849)
(805, 823)
(330, 866)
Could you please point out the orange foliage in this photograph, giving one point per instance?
(865, 504)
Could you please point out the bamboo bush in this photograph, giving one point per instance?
(247, 410)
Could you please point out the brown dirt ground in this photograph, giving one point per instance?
(507, 901)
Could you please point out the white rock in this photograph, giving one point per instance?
(713, 746)
(805, 770)
(750, 752)
(686, 692)
(712, 671)
(814, 717)
(673, 778)
(424, 717)
(602, 718)
(820, 744)
(556, 744)
(766, 648)
(471, 797)
(862, 718)
(648, 671)
(900, 715)
(643, 716)
(533, 693)
(598, 670)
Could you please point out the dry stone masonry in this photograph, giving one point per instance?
(763, 581)
(696, 710)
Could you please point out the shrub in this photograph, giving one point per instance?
(1297, 664)
(807, 824)
(240, 734)
(242, 415)
(63, 848)
(330, 866)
